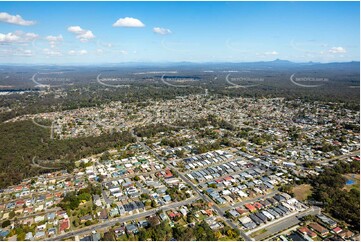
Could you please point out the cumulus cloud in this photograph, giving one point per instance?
(53, 40)
(17, 37)
(9, 37)
(15, 19)
(128, 22)
(337, 50)
(161, 31)
(79, 52)
(50, 52)
(82, 34)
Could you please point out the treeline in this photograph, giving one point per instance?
(211, 119)
(81, 96)
(21, 141)
(174, 142)
(164, 232)
(88, 94)
(153, 129)
(329, 188)
(72, 200)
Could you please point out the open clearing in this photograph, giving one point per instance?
(355, 178)
(302, 191)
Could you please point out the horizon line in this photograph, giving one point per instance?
(177, 62)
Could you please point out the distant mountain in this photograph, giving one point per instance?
(276, 64)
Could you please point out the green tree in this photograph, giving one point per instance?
(5, 223)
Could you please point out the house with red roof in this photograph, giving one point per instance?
(305, 230)
(18, 188)
(250, 207)
(64, 224)
(209, 212)
(58, 194)
(241, 211)
(319, 229)
(20, 203)
(174, 215)
(258, 205)
(168, 174)
(337, 230)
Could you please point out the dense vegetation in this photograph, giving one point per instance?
(21, 141)
(328, 188)
(164, 232)
(72, 200)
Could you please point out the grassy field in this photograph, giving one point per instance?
(302, 191)
(355, 178)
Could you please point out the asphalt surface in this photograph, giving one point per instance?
(203, 196)
(112, 222)
(271, 229)
(286, 223)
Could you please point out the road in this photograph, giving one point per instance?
(284, 224)
(203, 196)
(353, 153)
(112, 222)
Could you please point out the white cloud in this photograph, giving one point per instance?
(15, 19)
(337, 50)
(79, 52)
(128, 22)
(50, 52)
(72, 52)
(9, 37)
(30, 36)
(53, 40)
(82, 34)
(161, 31)
(17, 37)
(271, 53)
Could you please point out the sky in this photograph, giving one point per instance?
(117, 32)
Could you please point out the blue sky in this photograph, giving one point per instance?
(83, 32)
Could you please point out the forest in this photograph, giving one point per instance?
(328, 188)
(21, 141)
